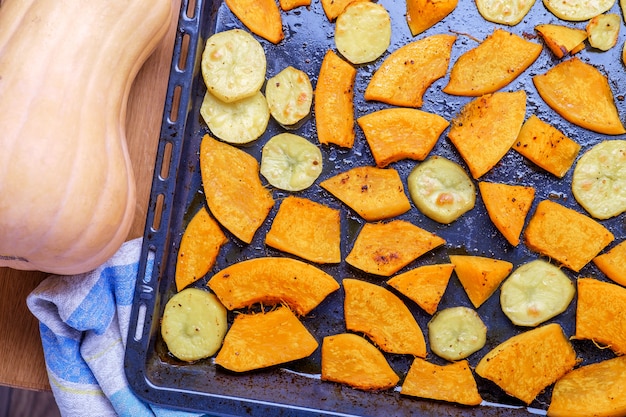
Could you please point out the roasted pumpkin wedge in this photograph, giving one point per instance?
(262, 17)
(581, 94)
(270, 280)
(423, 62)
(479, 275)
(565, 235)
(256, 341)
(287, 5)
(227, 174)
(423, 14)
(425, 284)
(507, 206)
(374, 193)
(453, 382)
(528, 362)
(562, 40)
(612, 263)
(382, 316)
(600, 314)
(334, 104)
(597, 389)
(399, 133)
(199, 247)
(546, 146)
(385, 248)
(306, 229)
(350, 359)
(486, 129)
(492, 65)
(333, 8)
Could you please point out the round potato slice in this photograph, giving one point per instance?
(599, 180)
(290, 162)
(239, 122)
(233, 65)
(603, 31)
(506, 12)
(363, 32)
(577, 10)
(535, 292)
(457, 332)
(289, 96)
(441, 189)
(193, 324)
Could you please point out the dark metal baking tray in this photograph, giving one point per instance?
(295, 388)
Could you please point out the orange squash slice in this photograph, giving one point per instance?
(423, 14)
(262, 17)
(598, 389)
(287, 5)
(350, 359)
(546, 146)
(453, 382)
(565, 235)
(492, 65)
(334, 106)
(400, 133)
(272, 281)
(527, 363)
(374, 193)
(256, 341)
(406, 73)
(306, 229)
(480, 276)
(600, 313)
(227, 174)
(385, 248)
(382, 316)
(425, 285)
(199, 247)
(333, 8)
(507, 207)
(562, 40)
(581, 95)
(486, 129)
(612, 263)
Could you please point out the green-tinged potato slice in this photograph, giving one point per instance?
(603, 31)
(455, 333)
(577, 10)
(599, 181)
(290, 162)
(238, 122)
(506, 12)
(193, 324)
(289, 96)
(441, 189)
(535, 292)
(363, 32)
(233, 65)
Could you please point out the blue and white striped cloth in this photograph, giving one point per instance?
(83, 324)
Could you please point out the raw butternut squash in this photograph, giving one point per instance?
(66, 68)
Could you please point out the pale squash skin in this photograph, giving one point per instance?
(67, 189)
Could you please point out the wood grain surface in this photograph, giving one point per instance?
(21, 362)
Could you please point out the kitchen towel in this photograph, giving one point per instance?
(83, 324)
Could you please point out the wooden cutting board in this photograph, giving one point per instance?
(21, 358)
